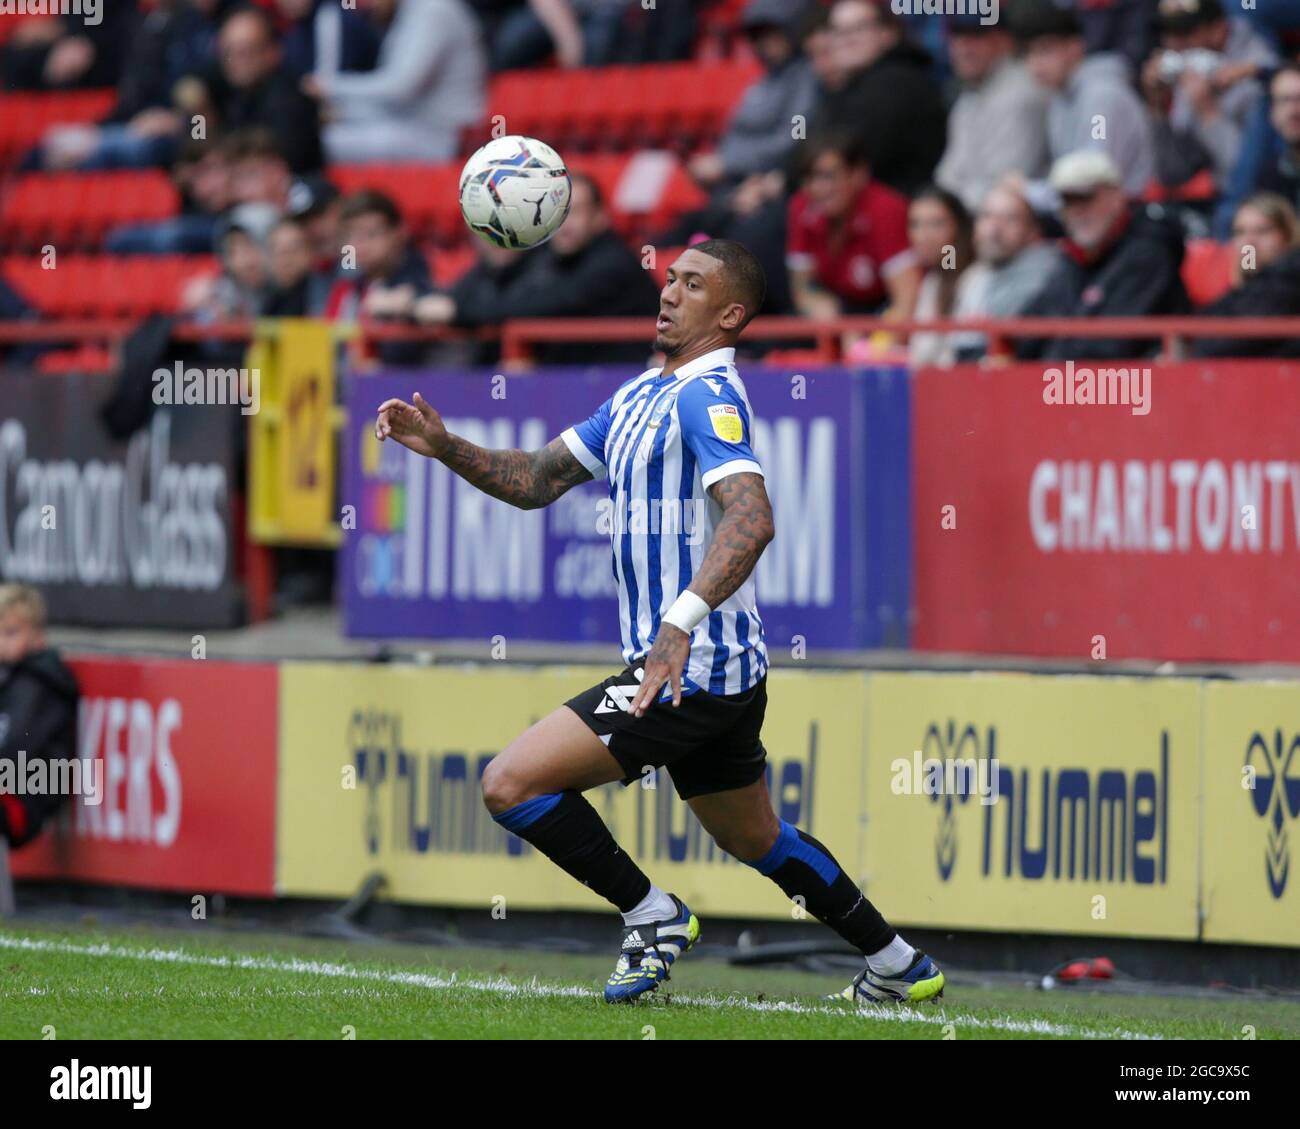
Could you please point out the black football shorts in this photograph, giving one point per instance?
(710, 743)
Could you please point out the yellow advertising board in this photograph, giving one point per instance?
(379, 769)
(1071, 803)
(1252, 812)
(293, 448)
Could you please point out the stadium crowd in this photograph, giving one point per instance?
(1122, 157)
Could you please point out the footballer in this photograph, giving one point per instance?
(694, 690)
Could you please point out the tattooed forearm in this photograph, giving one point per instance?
(527, 479)
(739, 538)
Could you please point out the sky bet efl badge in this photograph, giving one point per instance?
(726, 422)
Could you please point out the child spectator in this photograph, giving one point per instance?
(38, 711)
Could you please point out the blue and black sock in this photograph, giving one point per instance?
(567, 830)
(805, 869)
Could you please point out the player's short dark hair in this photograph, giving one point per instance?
(372, 202)
(745, 277)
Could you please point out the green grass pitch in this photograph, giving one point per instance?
(135, 983)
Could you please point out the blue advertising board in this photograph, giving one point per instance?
(432, 557)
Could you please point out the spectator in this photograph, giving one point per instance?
(889, 99)
(316, 204)
(38, 702)
(495, 281)
(1012, 264)
(1281, 174)
(427, 87)
(1118, 260)
(245, 168)
(390, 275)
(1202, 88)
(584, 271)
(661, 32)
(760, 135)
(240, 291)
(847, 249)
(326, 38)
(67, 52)
(1266, 279)
(1279, 20)
(259, 172)
(1093, 104)
(297, 291)
(998, 125)
(173, 40)
(819, 48)
(746, 175)
(203, 178)
(251, 86)
(1122, 27)
(939, 228)
(523, 33)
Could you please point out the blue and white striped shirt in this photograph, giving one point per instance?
(663, 441)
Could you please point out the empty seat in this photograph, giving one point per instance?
(24, 118)
(1207, 270)
(104, 286)
(79, 209)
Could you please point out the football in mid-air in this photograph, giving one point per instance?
(514, 192)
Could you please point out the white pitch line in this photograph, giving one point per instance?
(503, 986)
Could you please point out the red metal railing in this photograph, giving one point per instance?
(828, 338)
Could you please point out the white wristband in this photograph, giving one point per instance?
(687, 611)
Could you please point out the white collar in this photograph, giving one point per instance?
(711, 360)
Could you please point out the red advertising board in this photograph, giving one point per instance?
(187, 753)
(1167, 522)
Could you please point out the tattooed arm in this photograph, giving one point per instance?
(738, 541)
(739, 538)
(527, 479)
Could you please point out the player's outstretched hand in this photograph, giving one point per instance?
(664, 663)
(415, 426)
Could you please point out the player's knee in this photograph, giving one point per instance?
(502, 786)
(746, 846)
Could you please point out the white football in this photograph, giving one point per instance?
(514, 192)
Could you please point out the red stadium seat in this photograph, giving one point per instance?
(1207, 270)
(426, 194)
(104, 286)
(620, 108)
(24, 118)
(448, 265)
(84, 358)
(79, 209)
